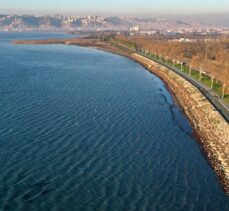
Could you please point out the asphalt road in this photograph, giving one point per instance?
(215, 100)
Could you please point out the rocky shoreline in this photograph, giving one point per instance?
(210, 127)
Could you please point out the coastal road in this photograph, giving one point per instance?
(215, 100)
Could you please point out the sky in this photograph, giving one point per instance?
(116, 7)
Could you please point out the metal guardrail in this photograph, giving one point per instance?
(215, 100)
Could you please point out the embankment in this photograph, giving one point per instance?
(210, 127)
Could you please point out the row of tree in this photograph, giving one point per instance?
(212, 56)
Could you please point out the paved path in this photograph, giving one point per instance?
(215, 100)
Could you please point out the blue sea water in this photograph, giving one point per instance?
(82, 129)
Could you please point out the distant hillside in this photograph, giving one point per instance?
(60, 22)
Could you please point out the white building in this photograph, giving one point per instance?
(135, 28)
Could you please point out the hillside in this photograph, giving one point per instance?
(61, 22)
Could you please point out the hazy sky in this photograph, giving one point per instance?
(115, 7)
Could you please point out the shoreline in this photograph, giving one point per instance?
(210, 128)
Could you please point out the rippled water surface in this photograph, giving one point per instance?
(82, 129)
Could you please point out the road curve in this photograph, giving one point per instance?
(215, 100)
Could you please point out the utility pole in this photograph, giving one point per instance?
(190, 70)
(212, 81)
(200, 76)
(223, 90)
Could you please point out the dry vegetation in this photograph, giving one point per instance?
(212, 55)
